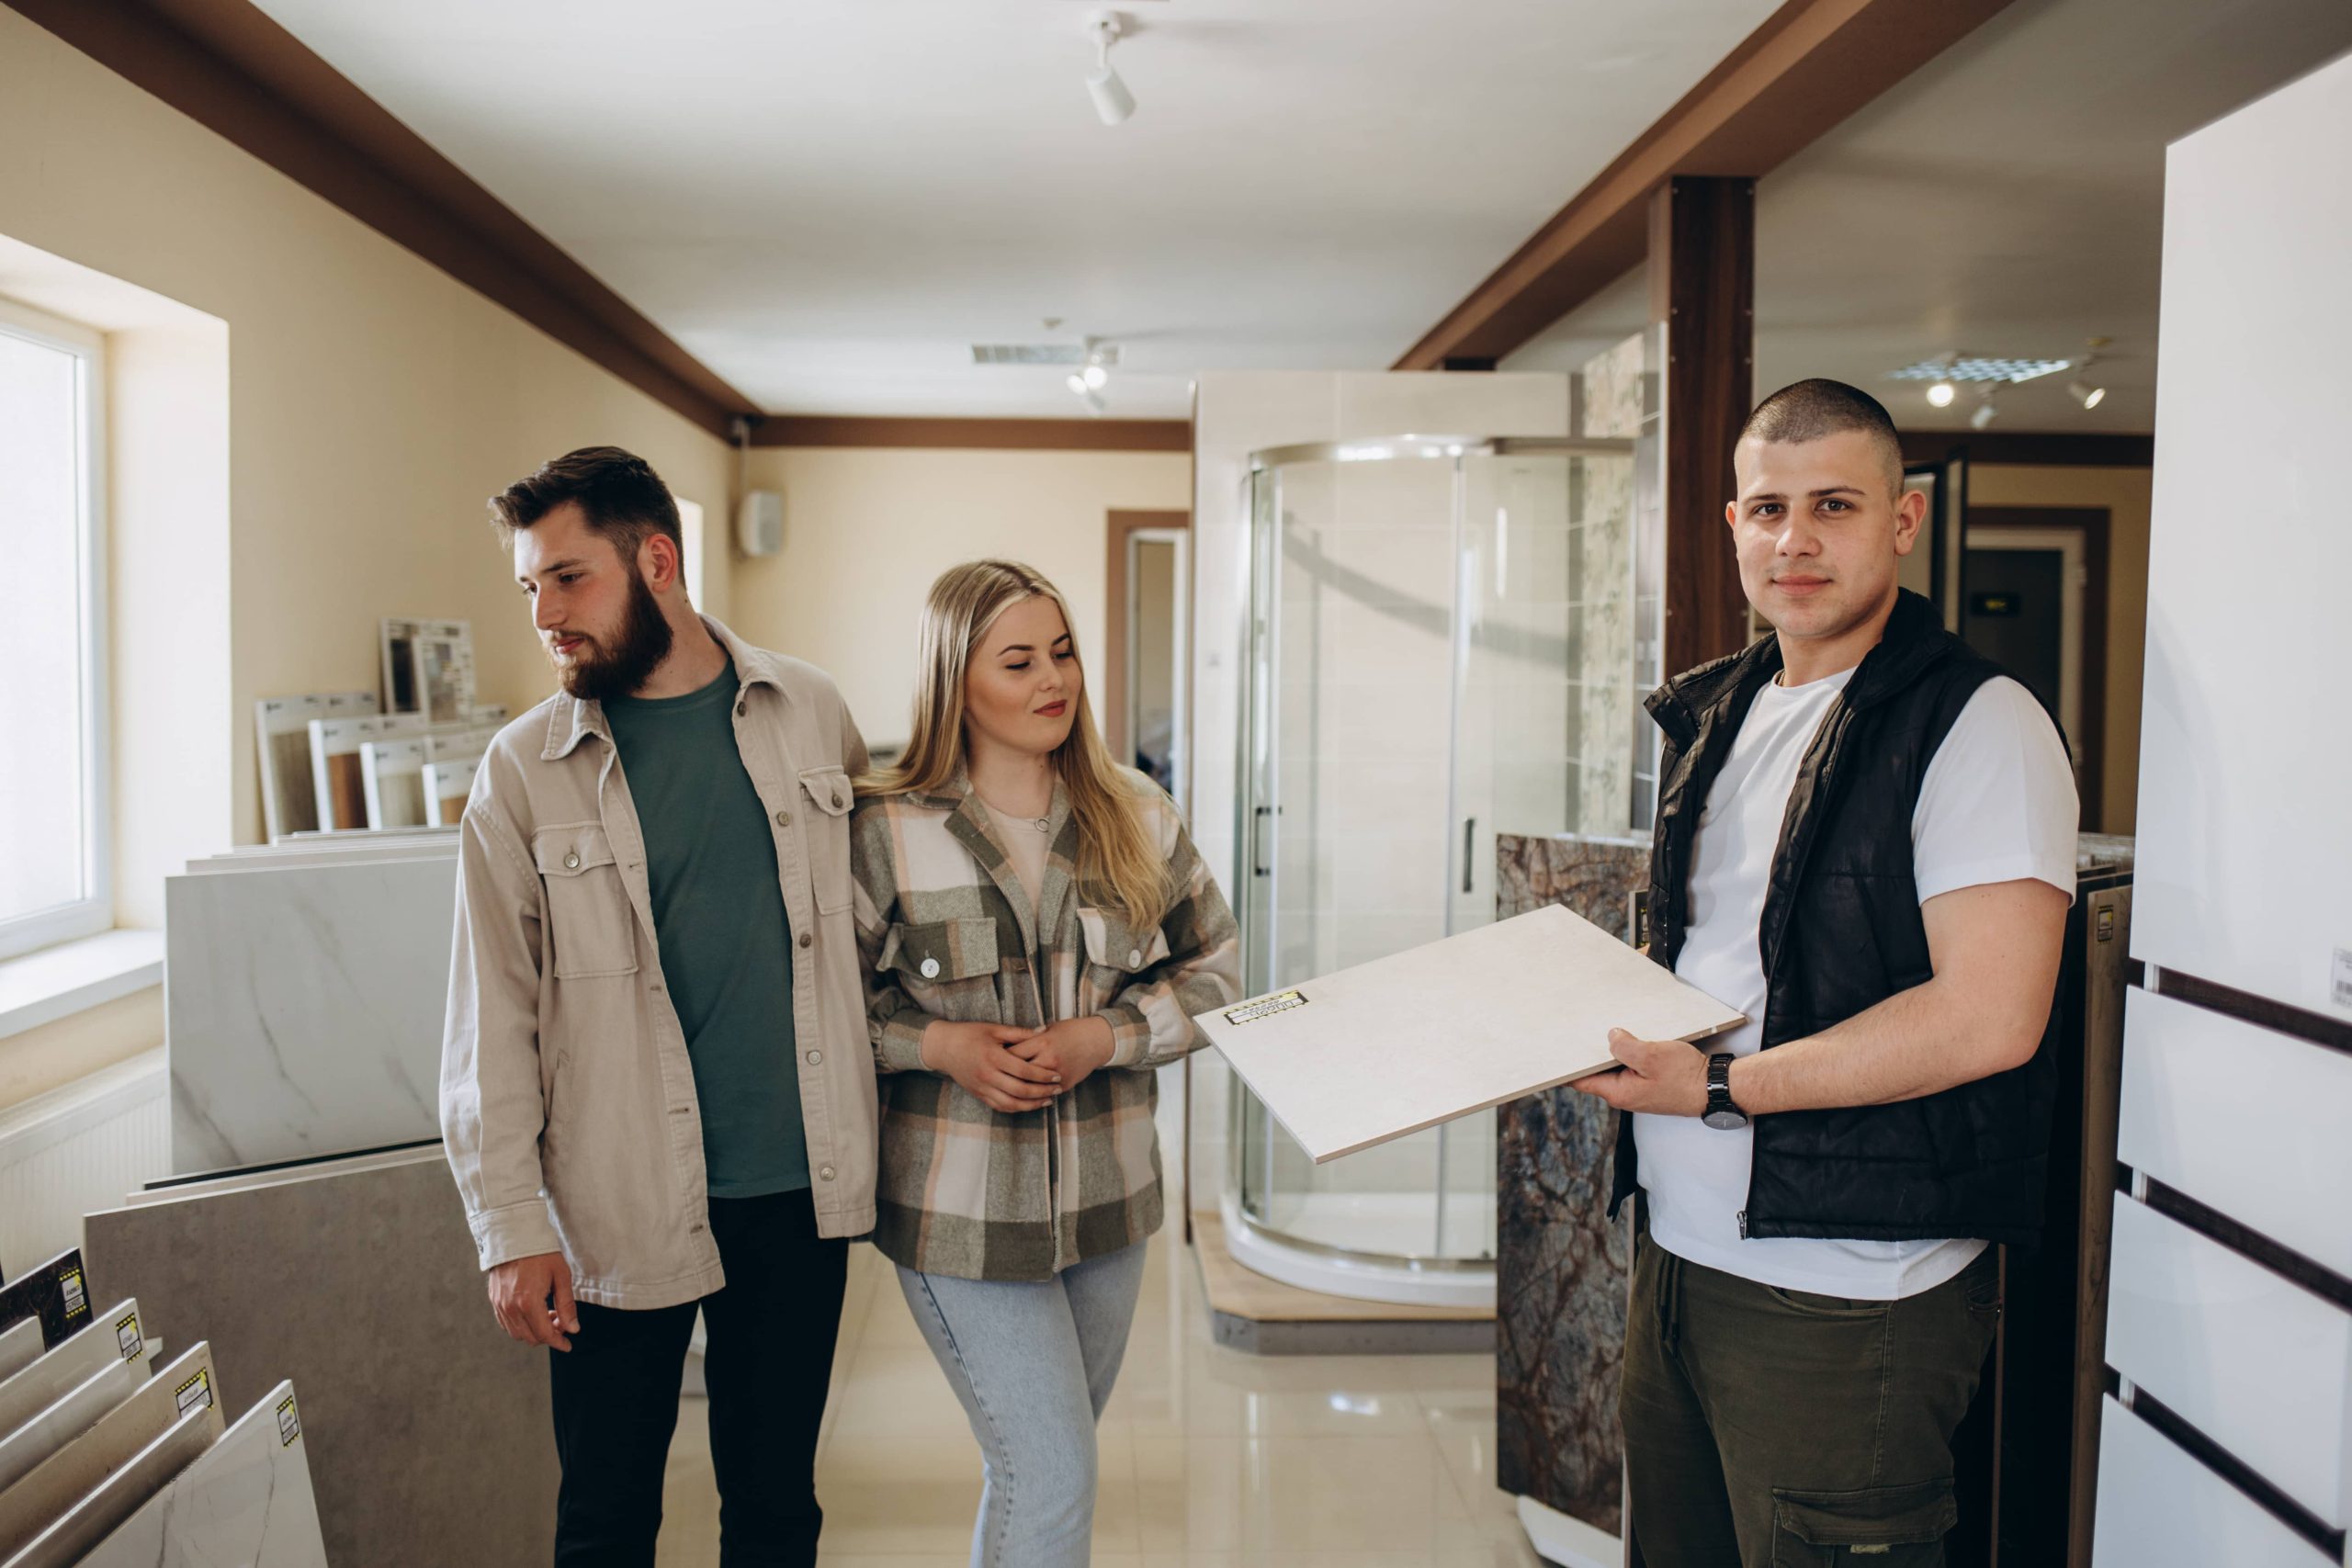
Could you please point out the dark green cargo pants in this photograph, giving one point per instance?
(1772, 1429)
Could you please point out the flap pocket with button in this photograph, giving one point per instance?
(829, 789)
(1893, 1526)
(1112, 943)
(946, 951)
(592, 929)
(825, 829)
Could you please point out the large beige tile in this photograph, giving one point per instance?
(1298, 1493)
(921, 1495)
(899, 1390)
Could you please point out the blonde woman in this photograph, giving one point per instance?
(1037, 933)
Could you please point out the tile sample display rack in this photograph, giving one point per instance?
(345, 794)
(282, 725)
(428, 668)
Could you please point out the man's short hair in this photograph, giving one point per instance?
(1809, 411)
(616, 491)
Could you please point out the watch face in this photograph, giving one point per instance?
(1725, 1121)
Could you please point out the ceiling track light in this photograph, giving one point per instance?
(1112, 102)
(2090, 394)
(1986, 413)
(1940, 395)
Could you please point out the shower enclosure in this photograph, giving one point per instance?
(1443, 636)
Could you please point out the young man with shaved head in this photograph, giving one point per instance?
(656, 1087)
(1865, 841)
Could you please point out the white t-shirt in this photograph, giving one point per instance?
(1998, 805)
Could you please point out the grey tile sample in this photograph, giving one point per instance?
(74, 1413)
(56, 1294)
(33, 1503)
(20, 1347)
(427, 1428)
(74, 1532)
(117, 1336)
(246, 1500)
(1561, 1266)
(303, 1008)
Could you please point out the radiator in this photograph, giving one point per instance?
(74, 1149)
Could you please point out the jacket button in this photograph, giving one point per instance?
(808, 940)
(931, 968)
(815, 1057)
(837, 798)
(572, 861)
(825, 1173)
(783, 819)
(739, 707)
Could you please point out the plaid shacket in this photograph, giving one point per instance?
(944, 930)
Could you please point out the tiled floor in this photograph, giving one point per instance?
(1211, 1459)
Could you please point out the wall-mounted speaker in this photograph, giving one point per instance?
(759, 523)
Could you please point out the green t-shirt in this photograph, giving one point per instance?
(726, 941)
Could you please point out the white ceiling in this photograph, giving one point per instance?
(827, 201)
(2007, 199)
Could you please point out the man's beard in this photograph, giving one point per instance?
(618, 667)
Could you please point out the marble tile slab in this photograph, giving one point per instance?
(1500, 1011)
(362, 1288)
(246, 1500)
(303, 1008)
(56, 1295)
(74, 1413)
(20, 1347)
(1561, 1266)
(71, 1536)
(40, 1497)
(117, 1336)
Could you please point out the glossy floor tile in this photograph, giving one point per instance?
(1210, 1458)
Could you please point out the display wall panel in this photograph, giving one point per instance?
(2255, 1361)
(2199, 1112)
(2158, 1504)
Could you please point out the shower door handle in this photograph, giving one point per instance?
(1469, 847)
(1257, 841)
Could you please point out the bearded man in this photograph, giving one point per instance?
(656, 1090)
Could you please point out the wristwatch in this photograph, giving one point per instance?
(1722, 1115)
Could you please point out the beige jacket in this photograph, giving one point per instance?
(567, 1098)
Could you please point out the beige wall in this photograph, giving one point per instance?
(371, 404)
(374, 402)
(2126, 494)
(866, 530)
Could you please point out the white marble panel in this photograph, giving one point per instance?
(112, 1335)
(2158, 1507)
(304, 1006)
(2200, 1112)
(39, 1498)
(23, 1449)
(246, 1501)
(70, 1537)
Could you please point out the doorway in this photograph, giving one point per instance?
(1146, 667)
(2035, 602)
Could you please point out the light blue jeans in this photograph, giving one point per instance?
(1033, 1365)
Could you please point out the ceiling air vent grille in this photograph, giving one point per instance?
(1042, 353)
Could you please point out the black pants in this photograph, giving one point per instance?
(768, 1361)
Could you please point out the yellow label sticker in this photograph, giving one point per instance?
(1264, 1007)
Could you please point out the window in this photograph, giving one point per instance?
(54, 870)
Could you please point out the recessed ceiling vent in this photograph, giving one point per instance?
(1039, 353)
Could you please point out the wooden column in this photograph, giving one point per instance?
(1702, 291)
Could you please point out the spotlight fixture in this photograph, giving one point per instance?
(1086, 394)
(1940, 395)
(2084, 393)
(1984, 416)
(1095, 376)
(1112, 102)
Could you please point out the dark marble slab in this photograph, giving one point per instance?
(1561, 1266)
(55, 1293)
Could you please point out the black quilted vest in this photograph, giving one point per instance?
(1841, 933)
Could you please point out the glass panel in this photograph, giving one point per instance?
(43, 798)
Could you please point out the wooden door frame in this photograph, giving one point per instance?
(2095, 523)
(1112, 692)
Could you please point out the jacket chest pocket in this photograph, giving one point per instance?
(1115, 953)
(592, 929)
(826, 800)
(947, 968)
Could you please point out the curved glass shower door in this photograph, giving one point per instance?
(1414, 685)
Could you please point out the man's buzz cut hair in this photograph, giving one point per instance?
(1809, 411)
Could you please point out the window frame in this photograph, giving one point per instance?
(94, 913)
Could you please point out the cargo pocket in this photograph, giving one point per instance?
(1115, 953)
(825, 829)
(591, 927)
(946, 968)
(1883, 1526)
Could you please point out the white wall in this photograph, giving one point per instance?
(868, 529)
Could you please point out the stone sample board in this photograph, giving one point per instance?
(1561, 1266)
(23, 1450)
(1373, 1053)
(56, 1295)
(427, 1428)
(20, 1347)
(71, 1536)
(246, 1500)
(32, 1505)
(116, 1336)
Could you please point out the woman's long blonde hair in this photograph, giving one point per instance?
(1115, 846)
